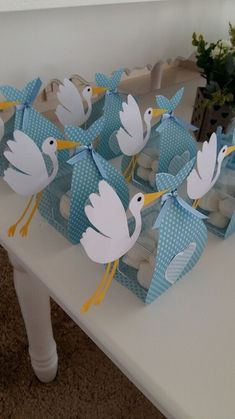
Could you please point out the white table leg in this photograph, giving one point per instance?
(35, 307)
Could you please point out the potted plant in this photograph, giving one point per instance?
(215, 103)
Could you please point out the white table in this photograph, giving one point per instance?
(179, 351)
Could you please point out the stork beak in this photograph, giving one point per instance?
(7, 105)
(230, 150)
(64, 144)
(158, 111)
(150, 197)
(96, 90)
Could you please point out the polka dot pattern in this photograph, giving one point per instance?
(178, 229)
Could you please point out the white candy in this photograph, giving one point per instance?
(143, 173)
(145, 274)
(134, 263)
(152, 152)
(65, 205)
(154, 165)
(152, 178)
(144, 160)
(226, 182)
(210, 202)
(227, 207)
(218, 220)
(153, 233)
(147, 242)
(152, 260)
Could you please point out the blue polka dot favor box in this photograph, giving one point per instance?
(219, 202)
(172, 239)
(164, 148)
(71, 110)
(22, 101)
(64, 199)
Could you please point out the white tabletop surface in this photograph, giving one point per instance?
(179, 351)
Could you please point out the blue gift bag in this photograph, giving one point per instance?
(171, 146)
(181, 241)
(219, 203)
(80, 176)
(20, 119)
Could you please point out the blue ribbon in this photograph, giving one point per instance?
(85, 151)
(28, 104)
(117, 93)
(167, 201)
(184, 124)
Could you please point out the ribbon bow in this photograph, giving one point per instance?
(117, 93)
(85, 151)
(184, 124)
(28, 104)
(167, 201)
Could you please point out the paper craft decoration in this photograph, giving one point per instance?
(6, 133)
(110, 106)
(87, 168)
(28, 173)
(131, 137)
(212, 183)
(182, 237)
(71, 110)
(172, 147)
(111, 239)
(22, 100)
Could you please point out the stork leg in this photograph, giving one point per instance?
(130, 168)
(25, 228)
(91, 300)
(12, 229)
(196, 203)
(102, 294)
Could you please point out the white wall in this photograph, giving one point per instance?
(55, 43)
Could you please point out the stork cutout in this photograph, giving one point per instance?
(209, 163)
(111, 239)
(131, 136)
(71, 110)
(28, 174)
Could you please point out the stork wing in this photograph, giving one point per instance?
(98, 247)
(25, 155)
(71, 109)
(206, 159)
(19, 182)
(195, 187)
(131, 137)
(2, 129)
(107, 213)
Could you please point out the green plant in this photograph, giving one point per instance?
(217, 64)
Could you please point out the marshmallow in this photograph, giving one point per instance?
(144, 160)
(218, 220)
(210, 202)
(152, 178)
(152, 260)
(226, 182)
(154, 165)
(143, 173)
(65, 205)
(227, 207)
(145, 274)
(134, 263)
(153, 233)
(147, 242)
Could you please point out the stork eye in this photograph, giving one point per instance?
(89, 89)
(139, 199)
(149, 112)
(51, 142)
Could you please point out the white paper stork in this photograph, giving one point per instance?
(29, 175)
(202, 179)
(71, 110)
(131, 137)
(112, 240)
